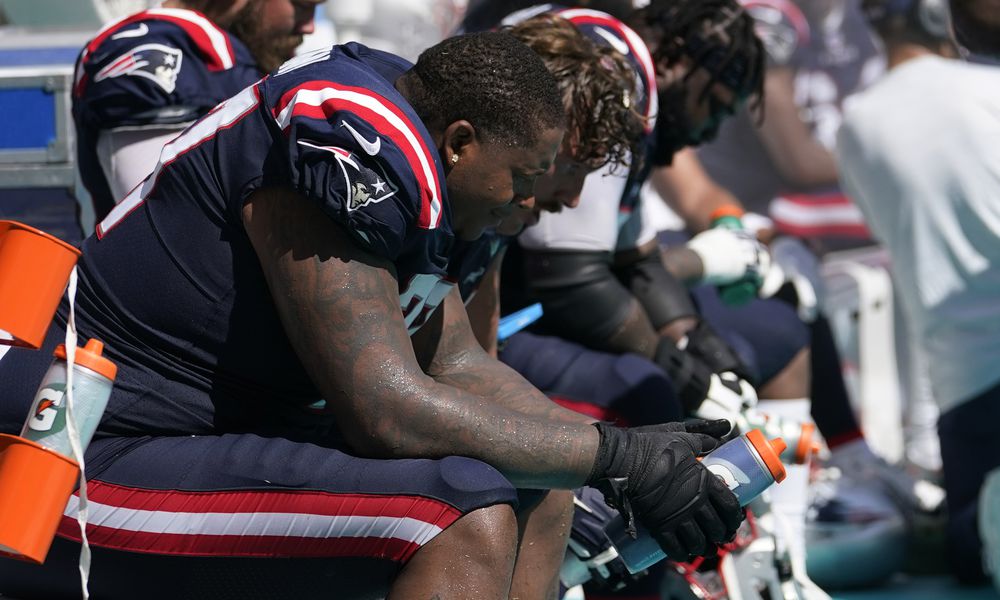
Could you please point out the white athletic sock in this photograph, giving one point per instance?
(789, 499)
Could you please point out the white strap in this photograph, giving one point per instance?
(74, 434)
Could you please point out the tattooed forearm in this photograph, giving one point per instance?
(452, 356)
(340, 309)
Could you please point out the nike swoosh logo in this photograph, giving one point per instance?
(372, 148)
(139, 31)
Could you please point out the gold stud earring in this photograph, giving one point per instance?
(454, 159)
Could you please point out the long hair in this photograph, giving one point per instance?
(717, 35)
(596, 85)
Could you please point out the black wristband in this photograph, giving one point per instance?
(609, 455)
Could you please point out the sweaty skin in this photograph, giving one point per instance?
(449, 352)
(340, 309)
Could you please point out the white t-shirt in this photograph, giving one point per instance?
(598, 224)
(920, 154)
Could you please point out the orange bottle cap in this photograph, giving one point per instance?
(807, 446)
(770, 451)
(90, 356)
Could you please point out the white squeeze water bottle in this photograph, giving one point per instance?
(93, 376)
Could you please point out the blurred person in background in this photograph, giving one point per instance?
(403, 27)
(146, 77)
(483, 14)
(918, 153)
(819, 52)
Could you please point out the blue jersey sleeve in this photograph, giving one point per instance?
(158, 69)
(364, 158)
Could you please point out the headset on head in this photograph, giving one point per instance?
(931, 16)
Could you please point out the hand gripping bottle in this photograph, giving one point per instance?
(748, 465)
(37, 469)
(739, 292)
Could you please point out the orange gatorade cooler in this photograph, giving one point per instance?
(34, 268)
(35, 484)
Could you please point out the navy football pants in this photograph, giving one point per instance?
(242, 516)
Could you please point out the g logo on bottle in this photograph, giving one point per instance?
(47, 408)
(729, 473)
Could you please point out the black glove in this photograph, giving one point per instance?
(709, 348)
(701, 362)
(654, 472)
(711, 433)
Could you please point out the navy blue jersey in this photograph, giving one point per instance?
(469, 261)
(160, 66)
(171, 282)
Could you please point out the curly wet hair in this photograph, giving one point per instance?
(490, 79)
(715, 34)
(597, 88)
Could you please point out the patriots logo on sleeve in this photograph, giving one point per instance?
(156, 62)
(363, 184)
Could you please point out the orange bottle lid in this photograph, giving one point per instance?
(770, 452)
(807, 446)
(90, 356)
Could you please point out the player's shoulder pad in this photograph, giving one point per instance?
(329, 103)
(155, 37)
(781, 26)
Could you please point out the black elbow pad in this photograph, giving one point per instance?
(581, 297)
(664, 297)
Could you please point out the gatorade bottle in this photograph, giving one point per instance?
(738, 292)
(748, 465)
(93, 376)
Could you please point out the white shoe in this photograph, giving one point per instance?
(989, 525)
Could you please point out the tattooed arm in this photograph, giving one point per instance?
(340, 309)
(483, 307)
(448, 352)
